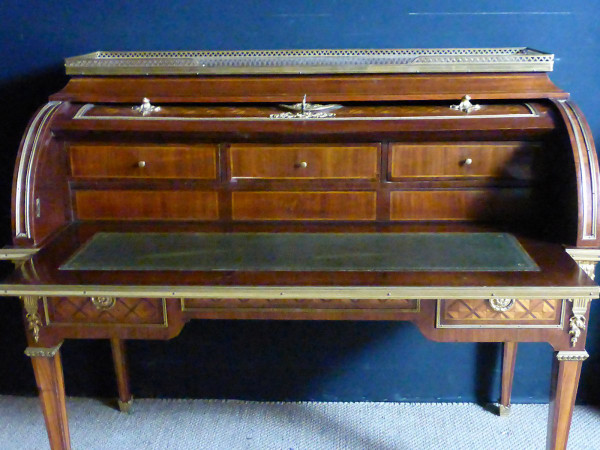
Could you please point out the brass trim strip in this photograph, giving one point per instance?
(17, 254)
(509, 324)
(42, 352)
(308, 292)
(317, 119)
(417, 309)
(586, 254)
(165, 323)
(581, 355)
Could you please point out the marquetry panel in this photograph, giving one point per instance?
(476, 204)
(303, 205)
(511, 160)
(304, 161)
(87, 311)
(147, 205)
(199, 304)
(144, 161)
(480, 313)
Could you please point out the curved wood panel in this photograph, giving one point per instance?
(586, 169)
(39, 184)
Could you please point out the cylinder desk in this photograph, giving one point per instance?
(453, 188)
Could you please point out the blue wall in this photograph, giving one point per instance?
(262, 360)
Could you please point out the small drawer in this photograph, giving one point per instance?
(144, 161)
(500, 313)
(464, 205)
(147, 205)
(511, 160)
(303, 205)
(102, 311)
(202, 304)
(356, 162)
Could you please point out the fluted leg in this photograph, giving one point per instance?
(47, 368)
(508, 372)
(125, 400)
(565, 379)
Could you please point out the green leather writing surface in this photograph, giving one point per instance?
(302, 252)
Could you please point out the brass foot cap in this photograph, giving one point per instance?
(126, 407)
(504, 411)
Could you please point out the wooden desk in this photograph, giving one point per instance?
(213, 201)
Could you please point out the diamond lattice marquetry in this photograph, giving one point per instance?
(526, 310)
(125, 311)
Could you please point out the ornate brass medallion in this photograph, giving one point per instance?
(103, 303)
(502, 304)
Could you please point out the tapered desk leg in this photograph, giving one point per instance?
(508, 373)
(47, 368)
(125, 400)
(565, 379)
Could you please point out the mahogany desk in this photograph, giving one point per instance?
(231, 195)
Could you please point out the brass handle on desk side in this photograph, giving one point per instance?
(141, 164)
(301, 165)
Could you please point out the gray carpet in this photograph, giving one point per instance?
(230, 425)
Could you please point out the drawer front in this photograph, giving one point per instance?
(303, 205)
(304, 161)
(147, 205)
(507, 160)
(202, 304)
(500, 313)
(476, 205)
(102, 311)
(149, 161)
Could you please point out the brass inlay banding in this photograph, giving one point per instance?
(506, 324)
(164, 324)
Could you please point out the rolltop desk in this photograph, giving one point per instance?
(442, 187)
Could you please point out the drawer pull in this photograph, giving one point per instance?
(103, 303)
(146, 108)
(141, 164)
(501, 304)
(465, 105)
(301, 165)
(467, 162)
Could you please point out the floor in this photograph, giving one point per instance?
(231, 425)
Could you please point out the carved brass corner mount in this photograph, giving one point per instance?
(34, 321)
(577, 320)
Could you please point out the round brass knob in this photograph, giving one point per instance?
(141, 164)
(468, 162)
(301, 164)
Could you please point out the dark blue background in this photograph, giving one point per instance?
(286, 360)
